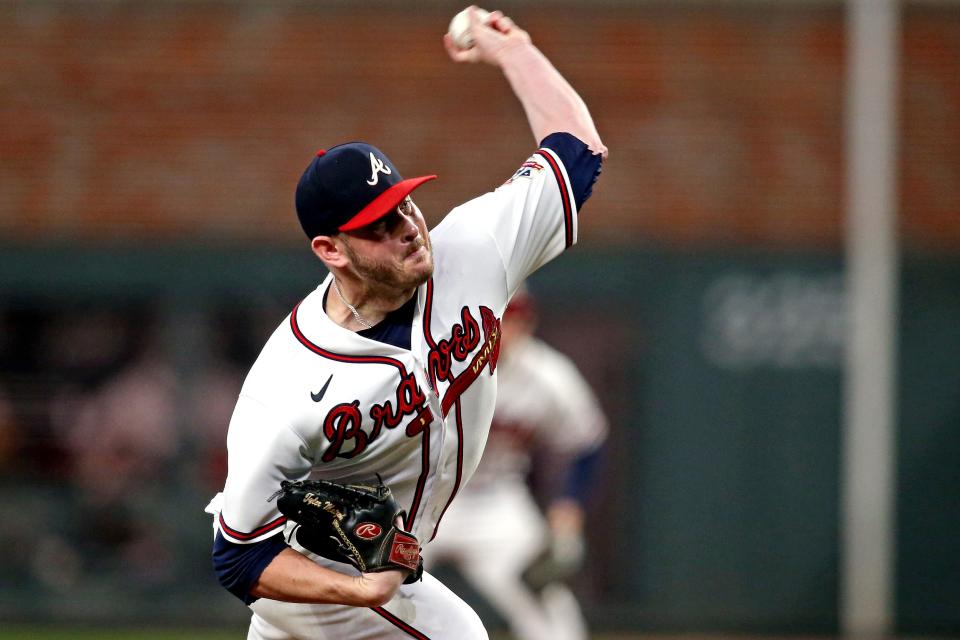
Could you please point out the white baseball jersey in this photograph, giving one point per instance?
(324, 402)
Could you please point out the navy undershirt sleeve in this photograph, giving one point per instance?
(582, 165)
(238, 566)
(580, 476)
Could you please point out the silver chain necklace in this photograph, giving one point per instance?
(353, 309)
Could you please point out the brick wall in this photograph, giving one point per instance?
(162, 122)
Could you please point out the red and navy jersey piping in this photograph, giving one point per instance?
(273, 525)
(564, 195)
(340, 357)
(400, 624)
(456, 484)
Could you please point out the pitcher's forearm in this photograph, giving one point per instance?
(549, 101)
(551, 104)
(292, 577)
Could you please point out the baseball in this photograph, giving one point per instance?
(459, 28)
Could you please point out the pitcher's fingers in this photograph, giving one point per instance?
(504, 24)
(456, 53)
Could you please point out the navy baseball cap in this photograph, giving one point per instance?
(348, 187)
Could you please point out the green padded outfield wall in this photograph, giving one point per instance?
(731, 490)
(928, 527)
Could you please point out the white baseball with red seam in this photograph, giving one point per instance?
(459, 28)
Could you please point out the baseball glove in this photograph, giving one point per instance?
(354, 523)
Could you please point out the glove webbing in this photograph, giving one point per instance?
(345, 541)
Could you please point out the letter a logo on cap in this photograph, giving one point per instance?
(377, 166)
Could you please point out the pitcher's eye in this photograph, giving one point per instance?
(406, 206)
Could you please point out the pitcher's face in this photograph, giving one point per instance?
(395, 251)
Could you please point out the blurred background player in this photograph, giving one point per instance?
(515, 555)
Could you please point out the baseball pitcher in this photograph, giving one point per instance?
(369, 406)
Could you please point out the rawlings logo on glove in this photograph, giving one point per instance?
(354, 523)
(368, 531)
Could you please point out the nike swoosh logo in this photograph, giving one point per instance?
(318, 396)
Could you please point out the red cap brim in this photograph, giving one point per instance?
(384, 203)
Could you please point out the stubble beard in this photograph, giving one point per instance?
(390, 280)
